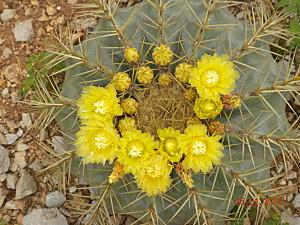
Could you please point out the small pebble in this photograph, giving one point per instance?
(11, 138)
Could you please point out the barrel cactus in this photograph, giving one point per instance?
(176, 109)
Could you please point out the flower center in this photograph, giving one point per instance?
(154, 171)
(211, 78)
(170, 145)
(199, 148)
(101, 141)
(135, 149)
(100, 107)
(208, 106)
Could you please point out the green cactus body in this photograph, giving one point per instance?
(255, 133)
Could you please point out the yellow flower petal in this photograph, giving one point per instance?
(136, 147)
(208, 107)
(213, 75)
(98, 104)
(154, 177)
(201, 151)
(97, 144)
(169, 144)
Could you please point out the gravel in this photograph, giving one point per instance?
(26, 120)
(20, 159)
(58, 144)
(3, 193)
(26, 186)
(4, 160)
(11, 181)
(23, 31)
(296, 201)
(11, 138)
(7, 14)
(55, 199)
(45, 217)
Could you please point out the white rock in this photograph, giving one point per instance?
(23, 31)
(280, 167)
(45, 217)
(35, 165)
(10, 72)
(11, 138)
(11, 205)
(26, 186)
(58, 144)
(3, 194)
(5, 93)
(20, 159)
(282, 182)
(4, 160)
(7, 14)
(291, 175)
(287, 218)
(22, 147)
(6, 53)
(55, 199)
(73, 189)
(296, 201)
(72, 1)
(2, 139)
(11, 181)
(3, 177)
(26, 120)
(290, 197)
(20, 133)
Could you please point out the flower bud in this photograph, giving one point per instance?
(144, 74)
(131, 55)
(206, 108)
(216, 128)
(231, 101)
(162, 55)
(182, 72)
(165, 80)
(127, 124)
(121, 81)
(129, 105)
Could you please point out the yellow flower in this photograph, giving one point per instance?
(98, 104)
(121, 81)
(131, 55)
(136, 147)
(144, 74)
(154, 177)
(162, 55)
(169, 144)
(213, 75)
(209, 107)
(127, 124)
(129, 105)
(97, 144)
(201, 151)
(182, 72)
(165, 80)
